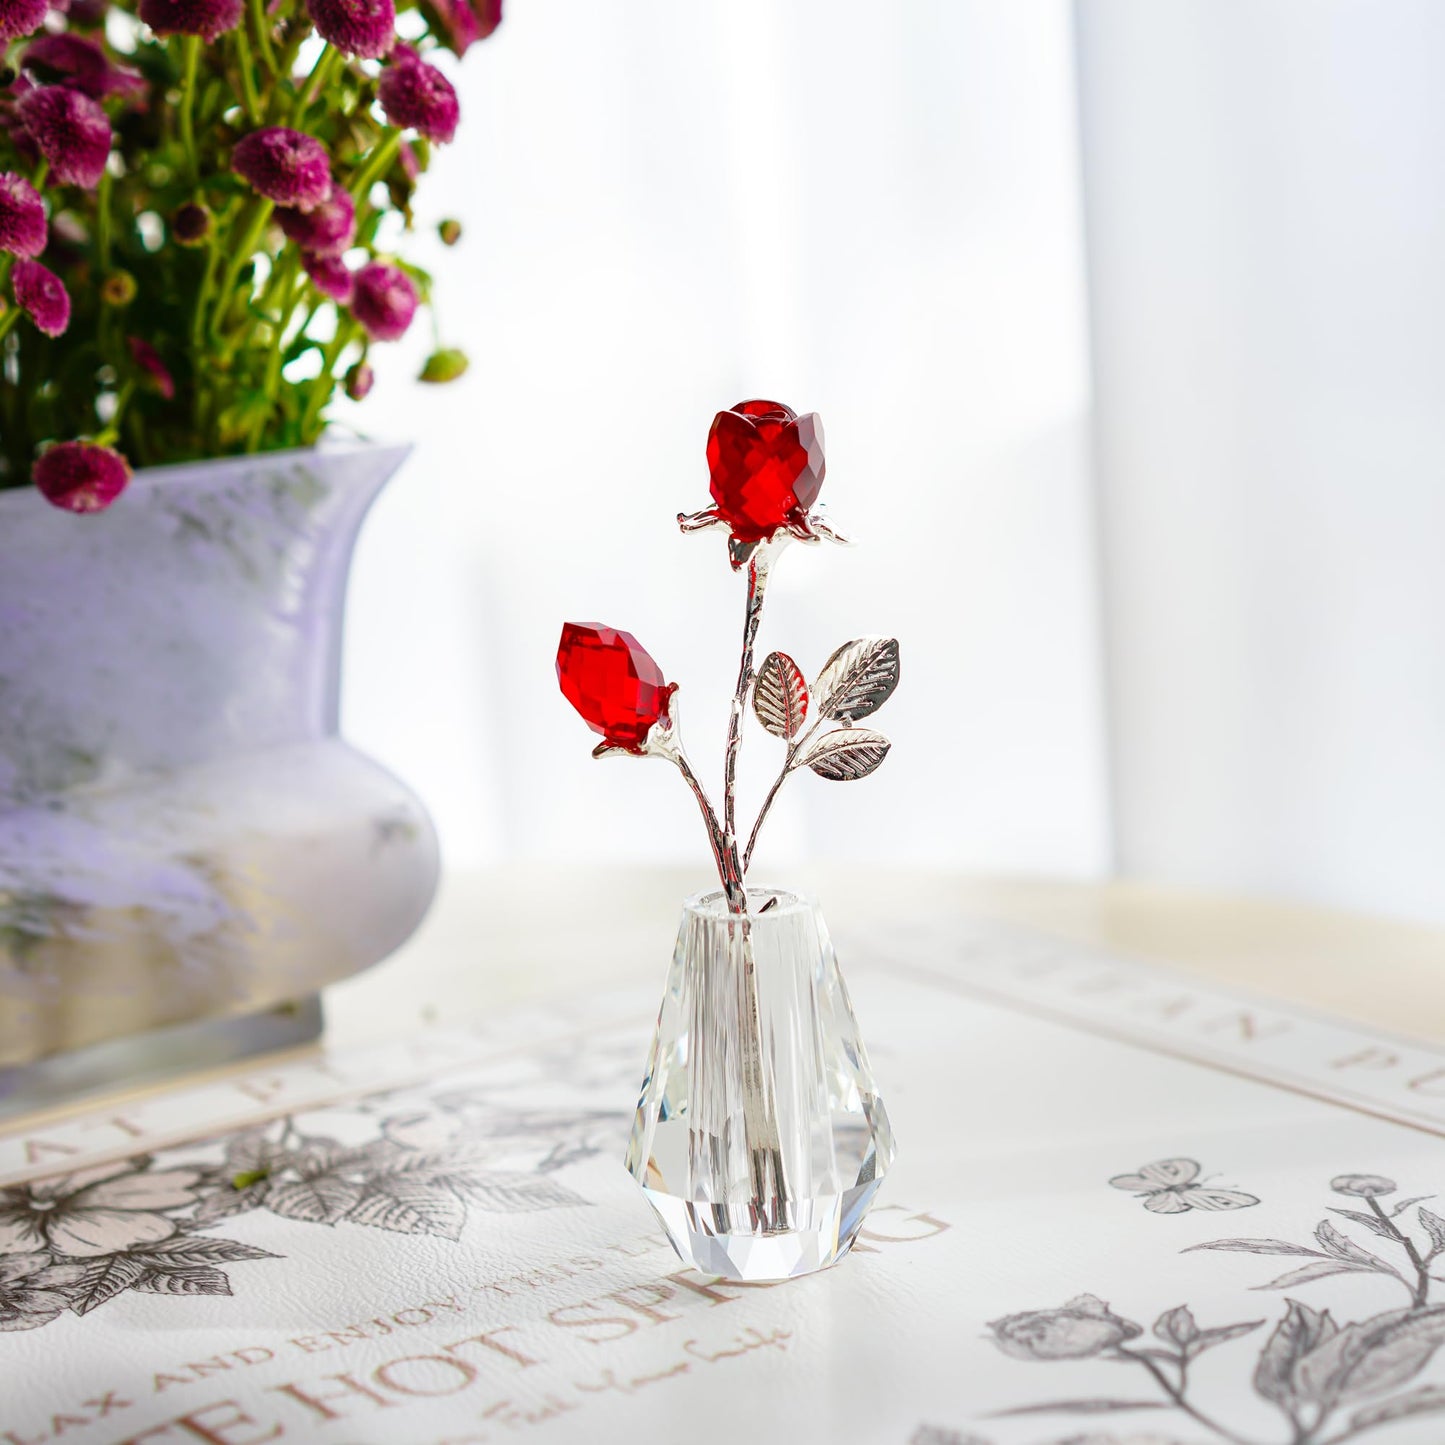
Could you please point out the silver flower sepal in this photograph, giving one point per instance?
(815, 527)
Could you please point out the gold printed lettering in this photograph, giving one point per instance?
(383, 1375)
(936, 1226)
(1432, 1084)
(107, 1404)
(1248, 1026)
(1372, 1058)
(212, 1434)
(322, 1403)
(626, 1326)
(37, 1149)
(130, 1130)
(647, 1307)
(213, 1366)
(487, 1342)
(713, 1289)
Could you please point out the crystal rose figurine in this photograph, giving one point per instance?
(760, 1137)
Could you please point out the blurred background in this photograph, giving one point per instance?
(1126, 321)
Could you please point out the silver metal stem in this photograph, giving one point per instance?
(752, 617)
(794, 748)
(665, 742)
(760, 1115)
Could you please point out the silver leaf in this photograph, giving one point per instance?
(858, 679)
(846, 754)
(780, 695)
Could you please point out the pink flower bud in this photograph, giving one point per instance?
(329, 275)
(417, 96)
(70, 130)
(325, 230)
(148, 359)
(385, 300)
(364, 28)
(284, 166)
(80, 476)
(192, 223)
(40, 293)
(359, 380)
(22, 217)
(460, 24)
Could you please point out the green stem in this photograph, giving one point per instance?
(325, 382)
(247, 67)
(262, 26)
(7, 321)
(253, 224)
(377, 163)
(320, 73)
(190, 63)
(112, 429)
(42, 169)
(102, 218)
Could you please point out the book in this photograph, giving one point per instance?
(1129, 1208)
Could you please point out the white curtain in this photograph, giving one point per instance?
(871, 212)
(878, 212)
(1265, 185)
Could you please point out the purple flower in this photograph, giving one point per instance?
(22, 216)
(148, 359)
(20, 17)
(70, 130)
(82, 477)
(385, 300)
(85, 14)
(329, 275)
(461, 24)
(417, 96)
(325, 230)
(364, 28)
(40, 293)
(206, 18)
(284, 166)
(82, 64)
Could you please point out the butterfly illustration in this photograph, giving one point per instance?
(1172, 1186)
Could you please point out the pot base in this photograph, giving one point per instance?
(157, 1056)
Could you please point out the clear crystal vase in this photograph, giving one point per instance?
(760, 1136)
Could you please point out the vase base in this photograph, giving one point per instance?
(715, 1245)
(156, 1056)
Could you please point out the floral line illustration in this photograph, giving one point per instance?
(74, 1242)
(1331, 1382)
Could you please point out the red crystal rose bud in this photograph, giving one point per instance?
(765, 464)
(612, 681)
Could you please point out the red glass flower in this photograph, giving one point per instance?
(765, 467)
(613, 682)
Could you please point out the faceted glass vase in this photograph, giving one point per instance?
(760, 1137)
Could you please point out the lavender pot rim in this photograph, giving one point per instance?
(171, 472)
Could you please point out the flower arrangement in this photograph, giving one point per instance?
(766, 468)
(200, 202)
